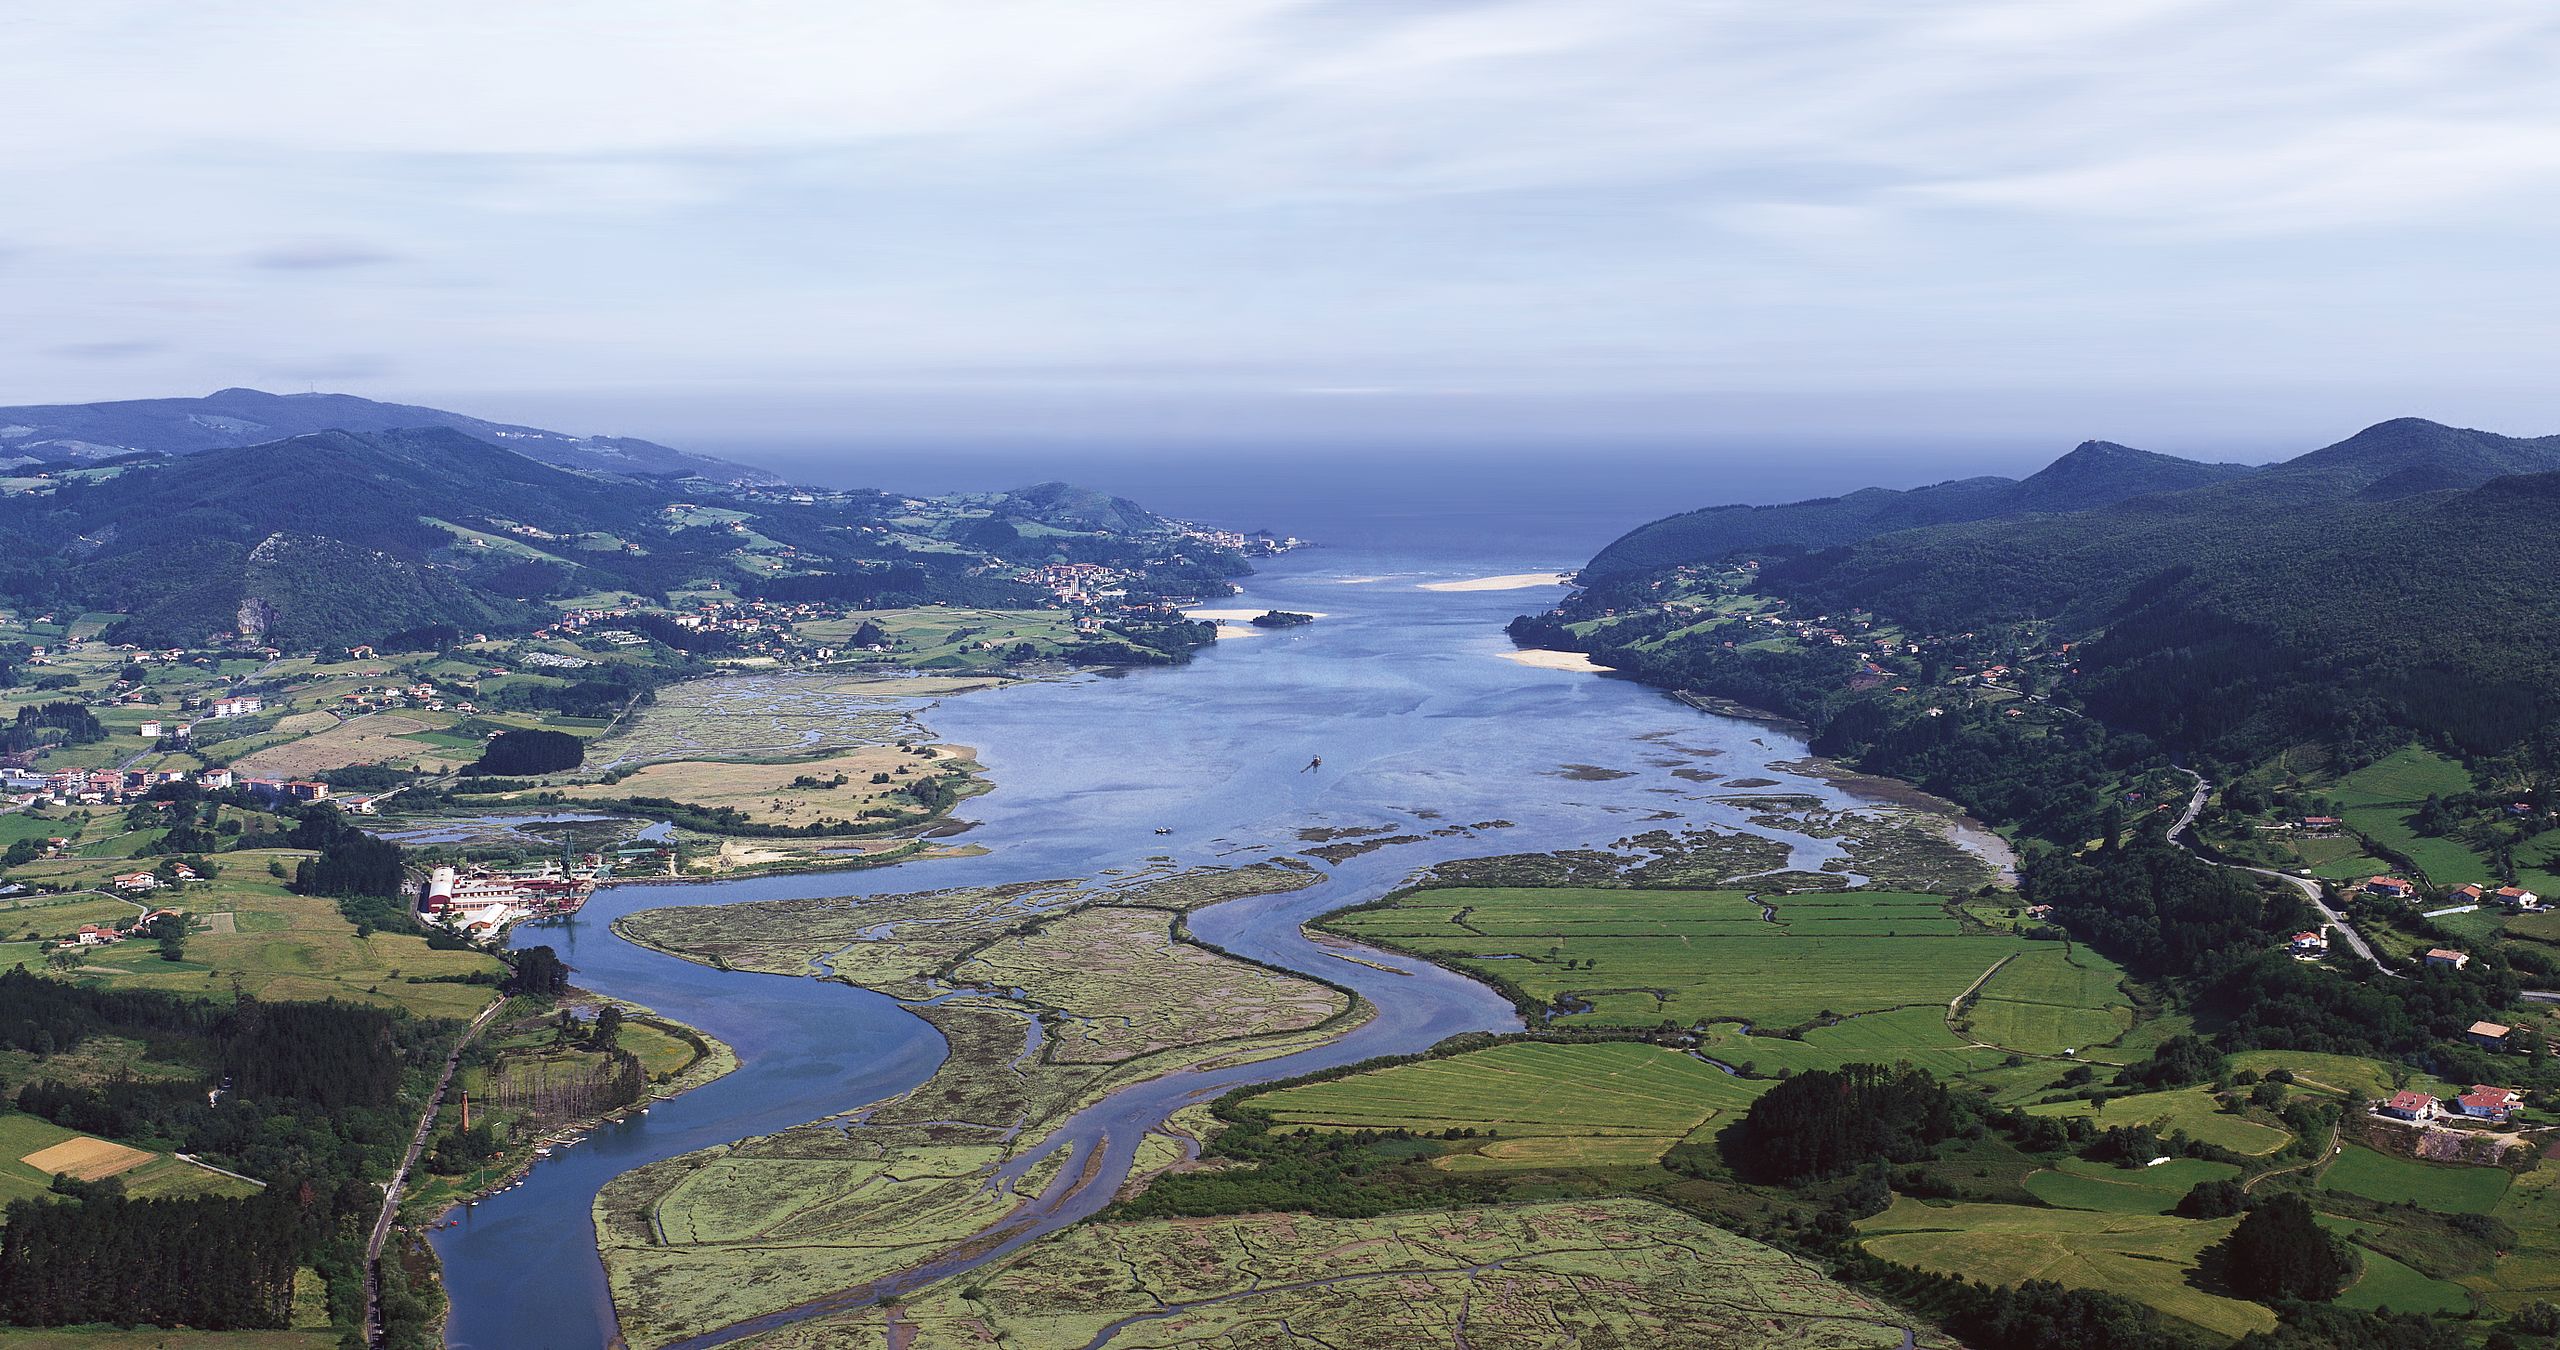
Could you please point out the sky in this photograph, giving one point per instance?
(2202, 227)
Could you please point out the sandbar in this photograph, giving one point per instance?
(1239, 615)
(1516, 581)
(1547, 660)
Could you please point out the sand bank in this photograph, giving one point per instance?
(1239, 615)
(1516, 581)
(1547, 660)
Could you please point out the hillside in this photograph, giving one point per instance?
(2096, 473)
(2331, 598)
(342, 537)
(232, 418)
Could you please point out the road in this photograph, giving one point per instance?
(2311, 892)
(2310, 889)
(391, 1189)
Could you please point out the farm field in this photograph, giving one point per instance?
(1641, 957)
(382, 738)
(2103, 1188)
(1602, 1104)
(2447, 862)
(1601, 1272)
(1917, 1034)
(32, 1151)
(2446, 1190)
(2050, 1000)
(764, 793)
(2190, 1109)
(2388, 1283)
(286, 946)
(2145, 1257)
(2409, 775)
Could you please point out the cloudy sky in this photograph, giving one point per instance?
(2197, 225)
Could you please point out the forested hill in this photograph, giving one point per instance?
(2330, 598)
(2096, 473)
(339, 537)
(232, 418)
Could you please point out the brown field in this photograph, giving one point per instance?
(379, 739)
(763, 792)
(86, 1158)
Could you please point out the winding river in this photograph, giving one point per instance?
(1421, 724)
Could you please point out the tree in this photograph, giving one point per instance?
(2280, 1251)
(608, 1028)
(539, 972)
(521, 752)
(2217, 1199)
(1823, 1123)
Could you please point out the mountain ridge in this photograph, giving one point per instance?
(2091, 474)
(237, 417)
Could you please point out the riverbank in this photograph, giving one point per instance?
(1123, 779)
(429, 1205)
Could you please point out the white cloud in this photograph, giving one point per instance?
(1347, 195)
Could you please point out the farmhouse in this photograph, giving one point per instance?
(2489, 1035)
(2489, 1103)
(2307, 943)
(2320, 824)
(2389, 888)
(2466, 895)
(138, 881)
(2438, 956)
(2409, 1106)
(91, 935)
(2517, 897)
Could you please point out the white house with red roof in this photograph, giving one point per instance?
(2409, 1105)
(2439, 956)
(2483, 1102)
(2307, 943)
(2389, 888)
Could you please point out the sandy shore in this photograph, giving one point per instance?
(1547, 660)
(1516, 581)
(1239, 615)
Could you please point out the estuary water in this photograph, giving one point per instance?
(1421, 723)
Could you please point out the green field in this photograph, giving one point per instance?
(1607, 1103)
(2145, 1257)
(1918, 1035)
(2446, 1190)
(2411, 775)
(2387, 1283)
(2190, 1109)
(2080, 1184)
(1641, 957)
(2051, 1000)
(2447, 862)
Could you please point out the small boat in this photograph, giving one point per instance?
(1164, 829)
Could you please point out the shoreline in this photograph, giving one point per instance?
(1541, 658)
(1509, 581)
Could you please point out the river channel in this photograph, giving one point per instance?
(1421, 723)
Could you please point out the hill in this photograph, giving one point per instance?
(2094, 474)
(233, 418)
(339, 537)
(2326, 600)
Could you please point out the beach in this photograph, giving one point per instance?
(1547, 660)
(1515, 581)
